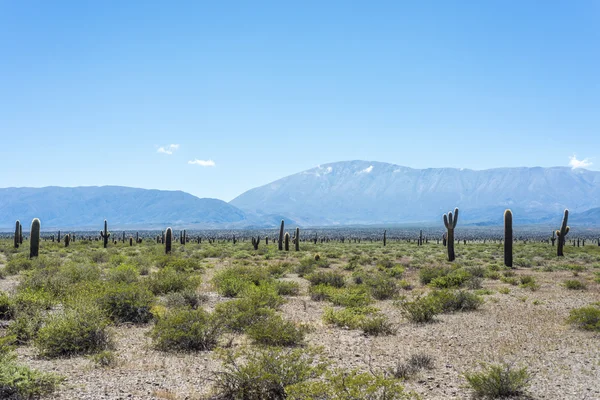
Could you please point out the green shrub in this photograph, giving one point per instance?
(381, 286)
(21, 382)
(16, 265)
(127, 303)
(26, 326)
(368, 319)
(586, 318)
(6, 309)
(416, 362)
(528, 281)
(427, 274)
(124, 273)
(287, 288)
(573, 284)
(348, 297)
(72, 332)
(420, 310)
(232, 281)
(276, 331)
(341, 384)
(240, 314)
(168, 280)
(498, 381)
(186, 298)
(320, 292)
(454, 279)
(329, 278)
(104, 359)
(186, 330)
(458, 300)
(264, 373)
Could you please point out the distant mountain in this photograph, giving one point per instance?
(365, 192)
(87, 207)
(590, 217)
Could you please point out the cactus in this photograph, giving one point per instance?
(17, 225)
(67, 240)
(508, 238)
(130, 241)
(384, 237)
(168, 238)
(286, 239)
(297, 242)
(34, 243)
(105, 234)
(256, 242)
(123, 237)
(137, 237)
(562, 234)
(553, 238)
(20, 234)
(281, 236)
(450, 221)
(58, 238)
(235, 241)
(267, 240)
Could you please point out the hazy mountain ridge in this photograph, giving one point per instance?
(365, 192)
(121, 206)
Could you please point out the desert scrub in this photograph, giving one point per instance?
(104, 359)
(287, 288)
(168, 280)
(496, 381)
(381, 286)
(240, 314)
(415, 363)
(232, 281)
(328, 278)
(341, 384)
(124, 273)
(127, 303)
(528, 282)
(74, 331)
(573, 284)
(420, 310)
(21, 382)
(265, 373)
(455, 300)
(186, 330)
(185, 299)
(367, 319)
(454, 279)
(586, 318)
(276, 331)
(427, 274)
(6, 310)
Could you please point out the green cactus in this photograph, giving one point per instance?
(34, 243)
(508, 238)
(67, 240)
(58, 238)
(450, 221)
(168, 239)
(130, 241)
(562, 234)
(297, 239)
(17, 225)
(255, 242)
(286, 239)
(20, 234)
(384, 238)
(281, 236)
(105, 234)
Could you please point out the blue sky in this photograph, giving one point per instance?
(91, 91)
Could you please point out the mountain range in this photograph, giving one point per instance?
(336, 194)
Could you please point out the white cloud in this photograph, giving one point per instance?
(575, 163)
(366, 170)
(202, 163)
(170, 149)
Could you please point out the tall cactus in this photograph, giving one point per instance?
(286, 239)
(562, 234)
(105, 234)
(168, 239)
(297, 242)
(17, 232)
(67, 240)
(450, 221)
(281, 236)
(34, 243)
(20, 234)
(255, 242)
(508, 238)
(384, 238)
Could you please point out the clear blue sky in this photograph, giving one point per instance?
(91, 90)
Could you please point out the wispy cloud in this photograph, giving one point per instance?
(575, 163)
(202, 163)
(170, 149)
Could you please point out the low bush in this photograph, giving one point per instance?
(367, 319)
(287, 288)
(333, 279)
(186, 330)
(276, 331)
(586, 318)
(168, 280)
(454, 279)
(20, 382)
(127, 303)
(458, 300)
(186, 298)
(573, 284)
(231, 282)
(72, 332)
(416, 362)
(420, 310)
(124, 273)
(498, 381)
(381, 286)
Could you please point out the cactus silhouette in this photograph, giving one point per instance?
(287, 241)
(34, 243)
(105, 234)
(508, 238)
(281, 236)
(168, 240)
(450, 221)
(562, 234)
(297, 242)
(17, 233)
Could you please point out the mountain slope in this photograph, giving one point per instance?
(364, 192)
(121, 206)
